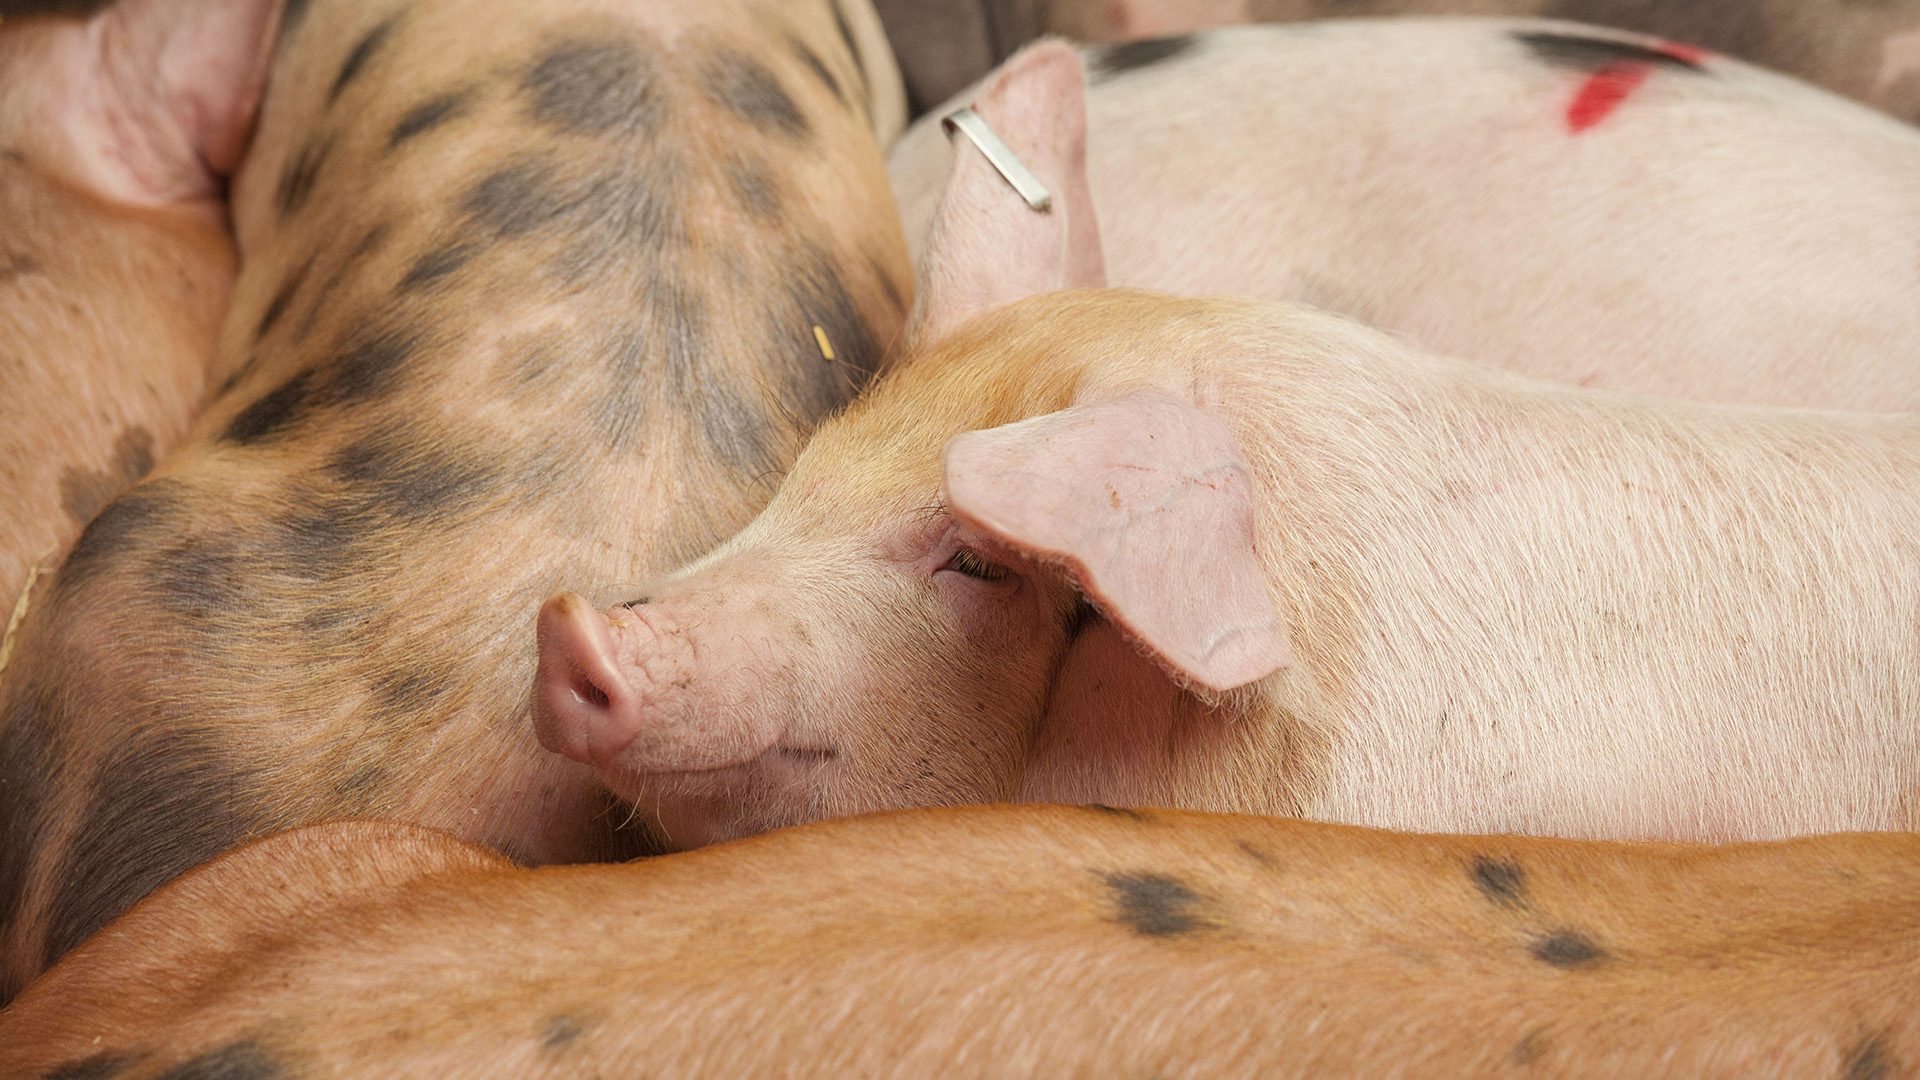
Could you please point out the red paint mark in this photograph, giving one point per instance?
(1603, 92)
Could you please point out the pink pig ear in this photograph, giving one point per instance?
(1150, 502)
(989, 247)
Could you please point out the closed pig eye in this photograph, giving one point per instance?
(972, 564)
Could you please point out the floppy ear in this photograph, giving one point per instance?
(988, 246)
(1149, 501)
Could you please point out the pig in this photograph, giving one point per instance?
(1003, 942)
(1117, 547)
(1867, 51)
(1715, 233)
(507, 278)
(116, 137)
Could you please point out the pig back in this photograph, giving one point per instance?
(526, 298)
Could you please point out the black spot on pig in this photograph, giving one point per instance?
(84, 491)
(296, 184)
(356, 60)
(735, 428)
(1736, 27)
(1157, 905)
(853, 47)
(562, 1031)
(128, 524)
(273, 413)
(591, 87)
(311, 541)
(437, 264)
(746, 86)
(160, 807)
(1870, 1059)
(1530, 1048)
(413, 483)
(622, 215)
(410, 692)
(245, 1060)
(291, 15)
(430, 114)
(1126, 812)
(1256, 853)
(518, 198)
(754, 187)
(814, 64)
(1568, 949)
(1503, 883)
(97, 1067)
(281, 299)
(369, 367)
(1134, 55)
(369, 242)
(1591, 54)
(34, 718)
(817, 296)
(17, 265)
(199, 580)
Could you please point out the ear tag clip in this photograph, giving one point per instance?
(1011, 168)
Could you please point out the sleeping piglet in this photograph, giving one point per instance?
(1114, 547)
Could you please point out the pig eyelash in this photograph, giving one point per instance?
(969, 562)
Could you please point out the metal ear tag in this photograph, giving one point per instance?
(968, 123)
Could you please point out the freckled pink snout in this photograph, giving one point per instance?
(583, 704)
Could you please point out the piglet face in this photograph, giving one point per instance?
(824, 662)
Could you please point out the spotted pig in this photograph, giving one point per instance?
(510, 276)
(117, 134)
(1004, 942)
(1586, 206)
(1125, 548)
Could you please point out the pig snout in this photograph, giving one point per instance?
(640, 692)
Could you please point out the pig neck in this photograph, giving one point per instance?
(1512, 606)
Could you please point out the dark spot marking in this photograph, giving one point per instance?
(1256, 853)
(622, 215)
(312, 542)
(411, 482)
(127, 525)
(367, 245)
(595, 87)
(291, 16)
(296, 185)
(410, 693)
(1592, 54)
(199, 579)
(1134, 55)
(814, 64)
(278, 305)
(18, 265)
(13, 156)
(437, 264)
(161, 806)
(369, 367)
(1736, 27)
(356, 60)
(561, 1031)
(753, 186)
(1157, 905)
(1568, 949)
(430, 114)
(1503, 883)
(817, 295)
(273, 413)
(517, 198)
(84, 492)
(1127, 812)
(245, 1060)
(853, 46)
(1530, 1048)
(1870, 1059)
(746, 86)
(97, 1067)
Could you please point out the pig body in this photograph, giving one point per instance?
(1718, 232)
(1869, 52)
(1217, 554)
(116, 135)
(504, 279)
(1004, 942)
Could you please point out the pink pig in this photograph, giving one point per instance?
(1119, 548)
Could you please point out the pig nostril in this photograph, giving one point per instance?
(592, 695)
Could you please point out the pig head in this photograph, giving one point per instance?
(888, 632)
